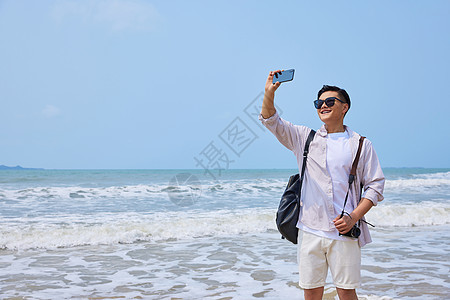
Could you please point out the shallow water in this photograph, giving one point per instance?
(131, 234)
(400, 264)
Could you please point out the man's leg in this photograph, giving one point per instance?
(346, 294)
(314, 294)
(344, 258)
(312, 265)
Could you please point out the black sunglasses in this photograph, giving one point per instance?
(329, 102)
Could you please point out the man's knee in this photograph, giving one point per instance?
(346, 294)
(314, 294)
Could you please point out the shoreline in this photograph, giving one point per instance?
(240, 266)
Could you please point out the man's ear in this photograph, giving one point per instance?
(345, 108)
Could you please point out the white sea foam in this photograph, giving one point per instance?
(234, 267)
(225, 190)
(422, 183)
(410, 214)
(418, 184)
(83, 192)
(68, 231)
(131, 227)
(65, 216)
(371, 297)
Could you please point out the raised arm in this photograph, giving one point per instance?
(290, 135)
(268, 108)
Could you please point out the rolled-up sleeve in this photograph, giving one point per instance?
(288, 134)
(373, 177)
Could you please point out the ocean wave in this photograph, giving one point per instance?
(249, 188)
(226, 189)
(70, 231)
(417, 184)
(73, 231)
(134, 191)
(425, 213)
(438, 175)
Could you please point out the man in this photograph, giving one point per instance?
(325, 185)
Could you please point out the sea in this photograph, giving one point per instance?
(185, 234)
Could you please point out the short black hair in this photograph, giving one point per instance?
(333, 88)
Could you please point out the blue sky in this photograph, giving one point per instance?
(159, 84)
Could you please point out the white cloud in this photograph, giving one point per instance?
(50, 111)
(118, 15)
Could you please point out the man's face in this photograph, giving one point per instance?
(334, 114)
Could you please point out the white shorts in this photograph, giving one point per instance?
(316, 254)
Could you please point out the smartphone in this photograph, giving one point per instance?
(286, 75)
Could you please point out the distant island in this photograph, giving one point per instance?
(3, 167)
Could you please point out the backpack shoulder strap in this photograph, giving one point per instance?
(308, 141)
(305, 155)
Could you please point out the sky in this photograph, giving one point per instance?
(177, 84)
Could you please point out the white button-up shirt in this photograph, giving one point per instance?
(317, 209)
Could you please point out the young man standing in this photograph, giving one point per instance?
(331, 154)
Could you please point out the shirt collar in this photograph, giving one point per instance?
(323, 131)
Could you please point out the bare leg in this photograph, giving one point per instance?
(314, 294)
(346, 294)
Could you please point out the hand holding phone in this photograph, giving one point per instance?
(283, 76)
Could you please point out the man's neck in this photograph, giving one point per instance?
(333, 128)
